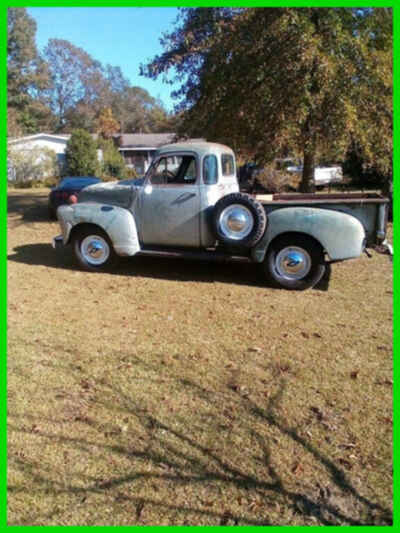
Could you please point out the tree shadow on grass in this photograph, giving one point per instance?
(28, 209)
(171, 453)
(156, 267)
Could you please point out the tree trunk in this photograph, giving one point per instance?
(307, 181)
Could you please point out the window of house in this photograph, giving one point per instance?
(210, 170)
(228, 165)
(174, 170)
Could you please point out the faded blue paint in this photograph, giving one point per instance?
(340, 234)
(118, 223)
(181, 214)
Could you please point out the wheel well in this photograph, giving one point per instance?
(83, 226)
(296, 235)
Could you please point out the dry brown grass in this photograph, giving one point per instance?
(174, 392)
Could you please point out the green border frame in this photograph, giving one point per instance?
(3, 202)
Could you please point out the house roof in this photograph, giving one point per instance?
(139, 140)
(148, 141)
(58, 137)
(37, 136)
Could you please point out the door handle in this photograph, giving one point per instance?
(184, 197)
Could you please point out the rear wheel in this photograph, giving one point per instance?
(94, 250)
(295, 262)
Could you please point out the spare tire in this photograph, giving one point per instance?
(238, 219)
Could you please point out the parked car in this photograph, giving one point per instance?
(67, 190)
(195, 210)
(323, 175)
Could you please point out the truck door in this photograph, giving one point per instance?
(170, 202)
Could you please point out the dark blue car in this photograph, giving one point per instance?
(67, 191)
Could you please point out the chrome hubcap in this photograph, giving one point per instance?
(236, 222)
(293, 262)
(95, 250)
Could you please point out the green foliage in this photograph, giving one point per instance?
(307, 80)
(32, 164)
(74, 74)
(81, 154)
(362, 175)
(113, 164)
(130, 173)
(27, 76)
(51, 181)
(26, 70)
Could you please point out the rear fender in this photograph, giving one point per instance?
(341, 235)
(117, 222)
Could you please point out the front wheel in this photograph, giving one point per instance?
(295, 263)
(94, 250)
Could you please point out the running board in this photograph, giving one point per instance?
(205, 255)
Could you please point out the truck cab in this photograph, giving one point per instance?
(180, 187)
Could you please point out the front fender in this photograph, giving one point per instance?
(117, 222)
(340, 234)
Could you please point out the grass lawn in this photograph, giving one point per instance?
(188, 393)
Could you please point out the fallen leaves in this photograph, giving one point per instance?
(384, 381)
(297, 469)
(255, 349)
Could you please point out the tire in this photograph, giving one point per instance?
(239, 220)
(295, 262)
(94, 250)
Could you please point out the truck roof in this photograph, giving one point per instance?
(200, 148)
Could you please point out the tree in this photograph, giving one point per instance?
(138, 112)
(81, 154)
(106, 123)
(27, 75)
(75, 76)
(272, 80)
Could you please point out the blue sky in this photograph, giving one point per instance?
(122, 37)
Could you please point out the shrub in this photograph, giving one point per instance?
(30, 165)
(81, 154)
(50, 182)
(113, 164)
(131, 173)
(270, 180)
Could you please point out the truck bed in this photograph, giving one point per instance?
(323, 198)
(371, 209)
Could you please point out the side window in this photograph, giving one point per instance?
(189, 175)
(174, 170)
(228, 165)
(210, 170)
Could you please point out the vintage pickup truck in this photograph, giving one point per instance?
(189, 205)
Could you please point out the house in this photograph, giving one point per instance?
(57, 143)
(138, 149)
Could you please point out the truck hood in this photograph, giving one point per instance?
(111, 193)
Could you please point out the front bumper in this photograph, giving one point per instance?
(57, 242)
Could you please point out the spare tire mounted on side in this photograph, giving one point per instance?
(238, 219)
